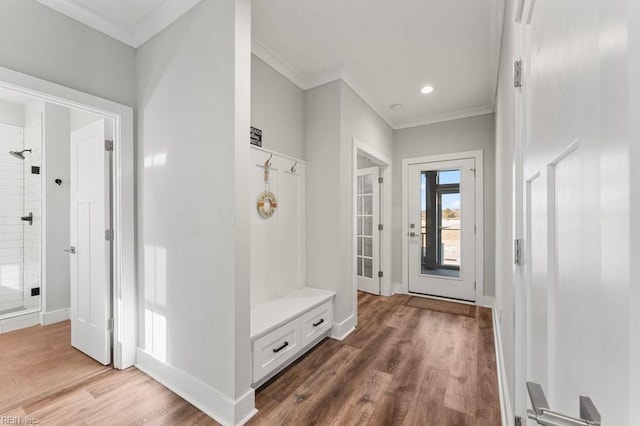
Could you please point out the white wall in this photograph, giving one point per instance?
(34, 111)
(79, 119)
(505, 271)
(56, 201)
(467, 134)
(11, 229)
(11, 113)
(193, 193)
(46, 44)
(277, 108)
(334, 116)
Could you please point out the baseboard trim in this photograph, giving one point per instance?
(503, 388)
(52, 317)
(206, 398)
(19, 322)
(341, 330)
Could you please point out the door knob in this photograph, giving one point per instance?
(71, 250)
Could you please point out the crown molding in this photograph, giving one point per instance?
(90, 18)
(160, 18)
(466, 113)
(278, 64)
(156, 21)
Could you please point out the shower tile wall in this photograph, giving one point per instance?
(32, 201)
(11, 208)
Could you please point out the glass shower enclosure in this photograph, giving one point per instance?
(20, 214)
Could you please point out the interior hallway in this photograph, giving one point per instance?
(402, 365)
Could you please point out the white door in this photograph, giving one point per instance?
(367, 232)
(90, 251)
(442, 229)
(578, 297)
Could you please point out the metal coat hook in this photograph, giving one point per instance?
(267, 163)
(293, 168)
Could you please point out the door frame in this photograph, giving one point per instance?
(385, 217)
(478, 156)
(123, 267)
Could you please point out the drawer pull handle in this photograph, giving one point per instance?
(275, 351)
(319, 322)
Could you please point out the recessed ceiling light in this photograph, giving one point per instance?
(395, 107)
(426, 89)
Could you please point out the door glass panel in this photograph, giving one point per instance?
(359, 246)
(367, 204)
(440, 222)
(368, 247)
(368, 268)
(359, 262)
(368, 226)
(367, 187)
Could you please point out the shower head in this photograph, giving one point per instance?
(19, 154)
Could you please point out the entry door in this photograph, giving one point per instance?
(367, 233)
(90, 250)
(441, 219)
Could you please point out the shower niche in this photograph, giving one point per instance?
(287, 316)
(20, 216)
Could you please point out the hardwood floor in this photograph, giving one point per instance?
(45, 380)
(401, 366)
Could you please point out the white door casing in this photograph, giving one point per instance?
(464, 286)
(367, 232)
(91, 263)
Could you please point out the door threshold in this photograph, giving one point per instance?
(446, 299)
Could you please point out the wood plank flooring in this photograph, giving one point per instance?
(45, 380)
(401, 366)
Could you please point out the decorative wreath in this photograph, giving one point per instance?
(267, 204)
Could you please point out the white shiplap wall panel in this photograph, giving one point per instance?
(11, 203)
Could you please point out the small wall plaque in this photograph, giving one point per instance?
(256, 137)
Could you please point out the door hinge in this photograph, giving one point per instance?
(518, 421)
(108, 146)
(380, 274)
(517, 252)
(380, 179)
(517, 73)
(108, 235)
(110, 324)
(381, 227)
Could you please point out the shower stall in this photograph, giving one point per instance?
(20, 214)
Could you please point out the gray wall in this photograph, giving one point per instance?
(57, 201)
(334, 116)
(467, 134)
(46, 44)
(322, 150)
(11, 113)
(277, 108)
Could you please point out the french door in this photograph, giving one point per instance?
(367, 232)
(442, 228)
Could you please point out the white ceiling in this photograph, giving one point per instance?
(385, 50)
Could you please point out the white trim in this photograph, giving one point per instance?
(52, 317)
(386, 201)
(156, 21)
(341, 330)
(206, 398)
(20, 321)
(479, 220)
(124, 298)
(456, 115)
(503, 387)
(277, 63)
(268, 151)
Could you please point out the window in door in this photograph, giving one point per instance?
(440, 222)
